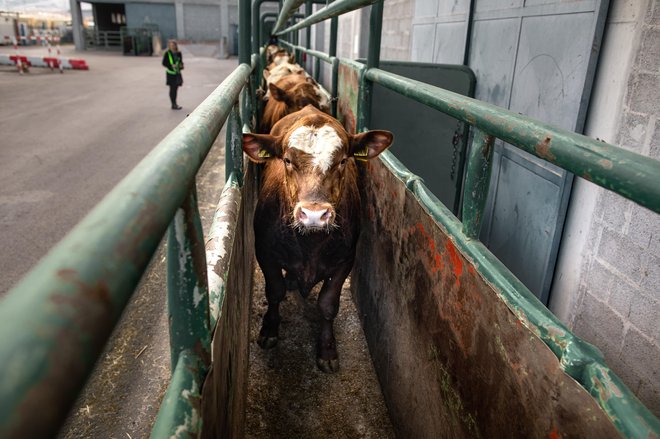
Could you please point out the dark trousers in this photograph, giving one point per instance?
(173, 90)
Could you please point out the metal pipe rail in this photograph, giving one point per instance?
(629, 174)
(57, 319)
(334, 9)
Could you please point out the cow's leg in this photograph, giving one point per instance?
(275, 291)
(327, 359)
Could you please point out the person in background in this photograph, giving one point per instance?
(173, 63)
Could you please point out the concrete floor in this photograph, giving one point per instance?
(67, 139)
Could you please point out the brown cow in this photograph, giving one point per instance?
(290, 94)
(307, 221)
(278, 55)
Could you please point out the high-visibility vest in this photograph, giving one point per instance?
(169, 55)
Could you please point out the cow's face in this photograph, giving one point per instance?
(318, 162)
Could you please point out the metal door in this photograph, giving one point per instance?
(535, 57)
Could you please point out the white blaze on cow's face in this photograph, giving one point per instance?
(314, 188)
(322, 143)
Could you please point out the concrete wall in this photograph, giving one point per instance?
(397, 24)
(607, 282)
(192, 21)
(162, 14)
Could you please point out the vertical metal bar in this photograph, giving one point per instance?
(244, 31)
(477, 181)
(468, 33)
(375, 31)
(308, 31)
(180, 413)
(334, 25)
(256, 30)
(335, 84)
(234, 146)
(317, 68)
(373, 61)
(187, 284)
(332, 51)
(308, 35)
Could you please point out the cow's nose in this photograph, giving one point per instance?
(315, 214)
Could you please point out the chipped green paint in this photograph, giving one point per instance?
(219, 243)
(180, 412)
(477, 180)
(187, 285)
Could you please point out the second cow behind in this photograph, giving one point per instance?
(307, 218)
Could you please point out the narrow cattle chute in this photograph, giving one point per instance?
(458, 345)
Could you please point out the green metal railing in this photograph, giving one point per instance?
(631, 175)
(57, 319)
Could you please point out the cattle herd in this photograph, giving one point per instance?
(307, 218)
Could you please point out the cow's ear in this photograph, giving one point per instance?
(278, 94)
(365, 146)
(292, 58)
(260, 147)
(266, 73)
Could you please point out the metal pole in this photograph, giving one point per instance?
(244, 31)
(338, 7)
(477, 181)
(373, 61)
(234, 145)
(187, 284)
(256, 40)
(308, 31)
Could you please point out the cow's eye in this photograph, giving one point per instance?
(343, 162)
(287, 162)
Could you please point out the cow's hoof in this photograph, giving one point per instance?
(266, 342)
(328, 366)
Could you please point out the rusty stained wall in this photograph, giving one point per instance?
(452, 359)
(225, 389)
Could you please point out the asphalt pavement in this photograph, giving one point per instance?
(67, 139)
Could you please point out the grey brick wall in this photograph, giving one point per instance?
(397, 23)
(619, 305)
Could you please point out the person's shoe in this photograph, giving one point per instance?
(176, 107)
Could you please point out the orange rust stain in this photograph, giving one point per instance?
(554, 434)
(438, 263)
(456, 263)
(543, 149)
(430, 242)
(607, 164)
